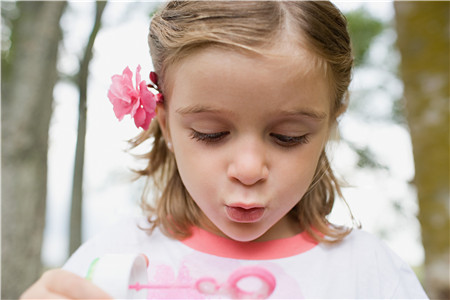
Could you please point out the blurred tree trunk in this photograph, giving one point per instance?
(423, 40)
(77, 186)
(28, 77)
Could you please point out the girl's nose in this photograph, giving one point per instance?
(249, 165)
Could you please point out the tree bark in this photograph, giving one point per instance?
(28, 77)
(77, 186)
(423, 40)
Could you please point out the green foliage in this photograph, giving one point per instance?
(9, 14)
(363, 28)
(366, 157)
(398, 113)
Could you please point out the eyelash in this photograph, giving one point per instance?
(290, 141)
(208, 137)
(282, 140)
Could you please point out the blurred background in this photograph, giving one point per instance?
(66, 173)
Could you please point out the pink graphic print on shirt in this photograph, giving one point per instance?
(240, 285)
(209, 277)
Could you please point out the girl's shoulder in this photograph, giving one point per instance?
(361, 238)
(363, 245)
(372, 260)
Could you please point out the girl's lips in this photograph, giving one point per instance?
(245, 215)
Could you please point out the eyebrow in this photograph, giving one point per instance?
(310, 113)
(196, 109)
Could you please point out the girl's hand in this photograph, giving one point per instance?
(61, 284)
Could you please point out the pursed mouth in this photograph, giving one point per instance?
(245, 214)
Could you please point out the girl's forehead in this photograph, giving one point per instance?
(281, 63)
(277, 79)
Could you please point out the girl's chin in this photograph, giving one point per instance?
(237, 231)
(244, 232)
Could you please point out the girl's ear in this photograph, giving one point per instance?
(161, 115)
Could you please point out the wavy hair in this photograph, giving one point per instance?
(179, 29)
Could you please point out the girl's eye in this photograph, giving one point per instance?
(209, 137)
(290, 141)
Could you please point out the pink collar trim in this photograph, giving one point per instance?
(204, 241)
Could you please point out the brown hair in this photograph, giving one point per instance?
(182, 27)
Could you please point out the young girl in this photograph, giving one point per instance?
(250, 92)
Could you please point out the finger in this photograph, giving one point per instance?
(39, 291)
(70, 285)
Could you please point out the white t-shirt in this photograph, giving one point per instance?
(360, 266)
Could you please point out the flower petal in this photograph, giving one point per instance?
(121, 108)
(136, 100)
(139, 118)
(138, 75)
(153, 78)
(148, 99)
(146, 123)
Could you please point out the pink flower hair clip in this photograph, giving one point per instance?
(137, 101)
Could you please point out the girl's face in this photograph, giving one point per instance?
(247, 133)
